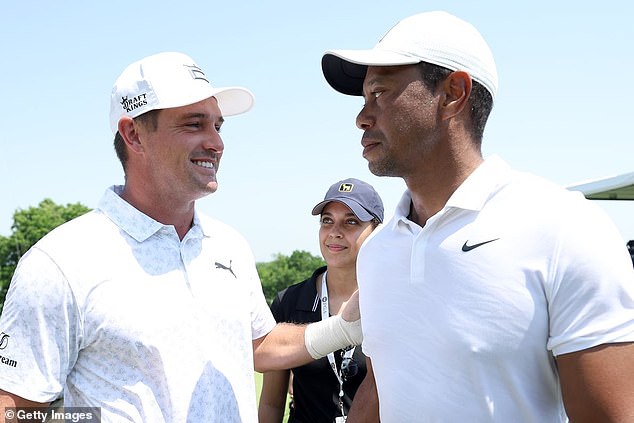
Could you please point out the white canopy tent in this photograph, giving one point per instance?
(618, 187)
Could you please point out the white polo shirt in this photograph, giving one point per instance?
(115, 311)
(462, 318)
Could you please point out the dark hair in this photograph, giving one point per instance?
(480, 99)
(147, 119)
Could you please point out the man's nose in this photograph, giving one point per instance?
(213, 141)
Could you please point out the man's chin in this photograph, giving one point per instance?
(377, 169)
(212, 187)
(208, 188)
(381, 170)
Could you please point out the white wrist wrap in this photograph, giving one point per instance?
(330, 335)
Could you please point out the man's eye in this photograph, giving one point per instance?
(218, 128)
(373, 95)
(352, 222)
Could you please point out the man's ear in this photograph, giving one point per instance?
(457, 89)
(129, 131)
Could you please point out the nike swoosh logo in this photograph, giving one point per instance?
(466, 247)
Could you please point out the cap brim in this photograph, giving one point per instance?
(358, 210)
(231, 101)
(345, 69)
(234, 100)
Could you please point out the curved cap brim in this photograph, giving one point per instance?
(356, 208)
(234, 100)
(345, 69)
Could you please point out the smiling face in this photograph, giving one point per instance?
(181, 155)
(341, 234)
(399, 120)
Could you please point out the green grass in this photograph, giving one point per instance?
(258, 385)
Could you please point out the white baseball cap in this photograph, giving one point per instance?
(167, 80)
(433, 37)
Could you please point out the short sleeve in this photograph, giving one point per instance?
(591, 300)
(41, 329)
(261, 317)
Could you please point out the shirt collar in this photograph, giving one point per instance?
(484, 182)
(306, 297)
(472, 194)
(137, 224)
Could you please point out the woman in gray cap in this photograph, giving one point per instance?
(323, 390)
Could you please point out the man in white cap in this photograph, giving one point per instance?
(144, 309)
(491, 295)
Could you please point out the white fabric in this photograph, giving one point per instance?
(113, 309)
(167, 80)
(332, 334)
(460, 336)
(433, 37)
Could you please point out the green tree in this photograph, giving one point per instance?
(28, 227)
(286, 270)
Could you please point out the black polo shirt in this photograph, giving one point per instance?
(315, 386)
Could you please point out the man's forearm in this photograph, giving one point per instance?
(365, 406)
(282, 348)
(289, 345)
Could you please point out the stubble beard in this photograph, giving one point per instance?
(208, 186)
(203, 188)
(384, 167)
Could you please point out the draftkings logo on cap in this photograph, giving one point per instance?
(130, 104)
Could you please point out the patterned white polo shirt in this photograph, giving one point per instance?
(116, 312)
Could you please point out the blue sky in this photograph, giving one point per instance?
(563, 111)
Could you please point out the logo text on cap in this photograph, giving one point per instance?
(346, 187)
(133, 103)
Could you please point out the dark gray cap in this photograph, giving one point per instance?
(359, 196)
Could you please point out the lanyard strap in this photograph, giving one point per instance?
(325, 313)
